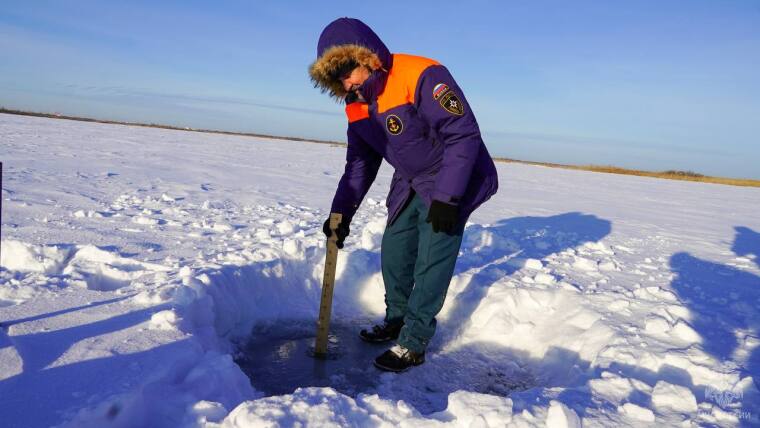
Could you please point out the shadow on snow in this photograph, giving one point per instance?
(58, 387)
(724, 301)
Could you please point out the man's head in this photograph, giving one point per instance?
(355, 78)
(351, 75)
(343, 69)
(347, 53)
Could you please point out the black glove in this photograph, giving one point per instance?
(342, 231)
(443, 216)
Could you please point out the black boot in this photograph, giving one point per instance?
(382, 333)
(399, 359)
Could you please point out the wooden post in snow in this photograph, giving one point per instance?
(328, 282)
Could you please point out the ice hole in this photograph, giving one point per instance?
(278, 358)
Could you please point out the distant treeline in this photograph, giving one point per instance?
(670, 174)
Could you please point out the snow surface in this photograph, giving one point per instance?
(138, 264)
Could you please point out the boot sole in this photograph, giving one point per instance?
(370, 340)
(367, 339)
(388, 369)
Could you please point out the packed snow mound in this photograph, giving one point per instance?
(103, 270)
(22, 257)
(130, 292)
(73, 265)
(326, 407)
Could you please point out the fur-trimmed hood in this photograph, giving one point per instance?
(344, 40)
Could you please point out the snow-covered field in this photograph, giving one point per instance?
(138, 264)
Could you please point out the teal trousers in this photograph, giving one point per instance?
(417, 266)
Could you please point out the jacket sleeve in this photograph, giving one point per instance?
(362, 164)
(440, 101)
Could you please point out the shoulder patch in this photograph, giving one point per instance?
(393, 124)
(451, 103)
(439, 90)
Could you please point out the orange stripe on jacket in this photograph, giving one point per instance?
(357, 111)
(402, 81)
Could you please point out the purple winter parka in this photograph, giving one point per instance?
(415, 117)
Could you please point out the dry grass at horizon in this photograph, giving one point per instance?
(669, 175)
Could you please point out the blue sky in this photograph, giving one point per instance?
(644, 84)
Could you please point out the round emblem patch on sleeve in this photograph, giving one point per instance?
(451, 103)
(394, 124)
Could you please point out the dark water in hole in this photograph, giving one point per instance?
(278, 358)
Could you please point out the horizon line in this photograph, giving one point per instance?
(669, 174)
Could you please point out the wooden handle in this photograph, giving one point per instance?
(328, 282)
